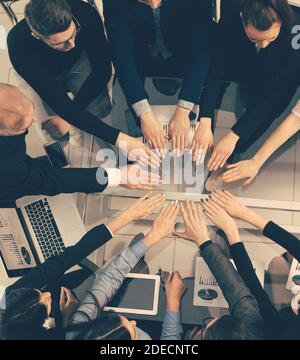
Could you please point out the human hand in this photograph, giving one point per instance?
(67, 304)
(179, 130)
(144, 207)
(221, 219)
(203, 140)
(247, 169)
(222, 151)
(231, 204)
(56, 127)
(195, 225)
(139, 210)
(295, 304)
(235, 208)
(135, 177)
(154, 133)
(163, 225)
(135, 150)
(174, 290)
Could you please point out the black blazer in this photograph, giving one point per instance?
(187, 28)
(273, 318)
(48, 274)
(21, 175)
(267, 76)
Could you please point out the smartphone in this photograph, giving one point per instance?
(56, 155)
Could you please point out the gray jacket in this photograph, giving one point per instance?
(242, 303)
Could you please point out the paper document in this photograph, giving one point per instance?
(207, 292)
(294, 275)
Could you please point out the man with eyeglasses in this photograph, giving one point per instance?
(161, 39)
(254, 49)
(60, 49)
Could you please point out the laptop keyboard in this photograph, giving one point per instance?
(45, 228)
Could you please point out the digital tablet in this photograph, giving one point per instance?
(139, 294)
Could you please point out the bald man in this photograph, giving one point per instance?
(21, 175)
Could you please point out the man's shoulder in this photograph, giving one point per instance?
(79, 6)
(20, 33)
(84, 12)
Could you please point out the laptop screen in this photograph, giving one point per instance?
(15, 250)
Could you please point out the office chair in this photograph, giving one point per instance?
(6, 4)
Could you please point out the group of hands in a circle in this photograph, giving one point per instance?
(221, 208)
(202, 143)
(151, 153)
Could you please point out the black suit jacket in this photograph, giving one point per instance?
(21, 175)
(268, 76)
(187, 29)
(273, 319)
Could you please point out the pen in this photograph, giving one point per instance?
(161, 278)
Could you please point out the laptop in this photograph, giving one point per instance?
(35, 228)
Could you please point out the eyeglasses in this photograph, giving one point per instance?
(205, 323)
(65, 43)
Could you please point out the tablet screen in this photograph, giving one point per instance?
(136, 295)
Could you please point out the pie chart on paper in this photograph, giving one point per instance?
(208, 294)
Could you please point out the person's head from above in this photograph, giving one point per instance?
(16, 111)
(226, 327)
(109, 326)
(263, 20)
(26, 314)
(53, 23)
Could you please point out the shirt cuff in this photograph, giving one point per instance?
(186, 104)
(173, 317)
(141, 107)
(237, 245)
(205, 245)
(139, 248)
(268, 229)
(111, 233)
(296, 109)
(114, 177)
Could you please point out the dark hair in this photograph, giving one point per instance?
(226, 328)
(108, 326)
(48, 17)
(262, 14)
(24, 316)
